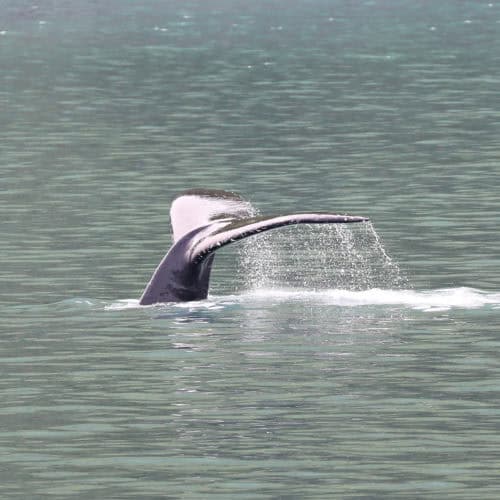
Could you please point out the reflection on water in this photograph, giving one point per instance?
(326, 360)
(278, 386)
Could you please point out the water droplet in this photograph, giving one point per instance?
(331, 256)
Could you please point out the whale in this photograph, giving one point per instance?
(204, 220)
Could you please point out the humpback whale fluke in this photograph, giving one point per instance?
(204, 220)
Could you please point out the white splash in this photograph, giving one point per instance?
(349, 257)
(443, 299)
(425, 300)
(340, 265)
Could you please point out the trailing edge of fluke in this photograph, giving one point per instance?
(204, 220)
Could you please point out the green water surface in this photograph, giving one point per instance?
(288, 382)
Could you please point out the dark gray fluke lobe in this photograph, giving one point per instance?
(202, 221)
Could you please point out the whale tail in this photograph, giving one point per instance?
(203, 221)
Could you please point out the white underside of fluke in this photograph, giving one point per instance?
(190, 212)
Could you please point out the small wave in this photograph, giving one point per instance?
(80, 303)
(425, 300)
(120, 305)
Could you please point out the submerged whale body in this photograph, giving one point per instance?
(203, 221)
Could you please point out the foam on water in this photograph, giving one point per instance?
(425, 300)
(210, 303)
(120, 305)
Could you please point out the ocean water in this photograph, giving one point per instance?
(327, 362)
